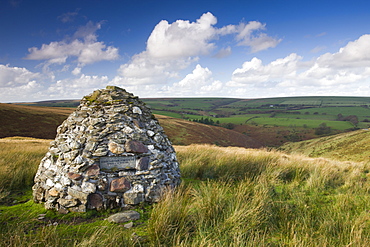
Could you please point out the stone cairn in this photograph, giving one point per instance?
(111, 152)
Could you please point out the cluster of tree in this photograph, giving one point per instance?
(210, 121)
(351, 118)
(181, 112)
(323, 129)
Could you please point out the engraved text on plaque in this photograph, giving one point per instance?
(117, 162)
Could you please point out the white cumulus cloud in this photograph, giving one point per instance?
(76, 71)
(250, 35)
(144, 69)
(15, 76)
(182, 38)
(199, 82)
(19, 84)
(354, 54)
(172, 47)
(349, 67)
(254, 72)
(83, 46)
(74, 88)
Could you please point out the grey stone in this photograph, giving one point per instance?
(62, 210)
(100, 152)
(128, 225)
(88, 187)
(90, 146)
(38, 194)
(124, 217)
(77, 194)
(67, 202)
(133, 198)
(78, 209)
(64, 148)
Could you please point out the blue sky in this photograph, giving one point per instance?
(244, 49)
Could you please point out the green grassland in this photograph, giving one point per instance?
(292, 111)
(168, 114)
(301, 116)
(228, 197)
(309, 101)
(283, 120)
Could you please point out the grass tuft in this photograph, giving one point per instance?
(229, 197)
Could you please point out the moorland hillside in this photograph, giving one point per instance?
(31, 121)
(42, 122)
(350, 146)
(270, 122)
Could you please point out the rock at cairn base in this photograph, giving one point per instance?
(109, 153)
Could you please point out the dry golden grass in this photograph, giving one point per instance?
(19, 159)
(353, 146)
(244, 197)
(229, 197)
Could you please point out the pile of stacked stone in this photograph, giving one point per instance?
(111, 152)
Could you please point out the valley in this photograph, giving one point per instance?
(268, 122)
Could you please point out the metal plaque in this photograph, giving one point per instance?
(114, 163)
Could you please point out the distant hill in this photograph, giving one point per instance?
(269, 122)
(42, 122)
(183, 132)
(352, 146)
(31, 121)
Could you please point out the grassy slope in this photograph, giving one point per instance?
(41, 122)
(229, 197)
(353, 146)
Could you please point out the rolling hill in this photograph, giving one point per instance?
(270, 121)
(351, 146)
(182, 132)
(41, 122)
(31, 121)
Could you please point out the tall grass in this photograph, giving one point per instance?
(207, 162)
(229, 197)
(260, 198)
(19, 159)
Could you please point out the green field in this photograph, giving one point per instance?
(188, 104)
(167, 113)
(307, 112)
(286, 112)
(264, 120)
